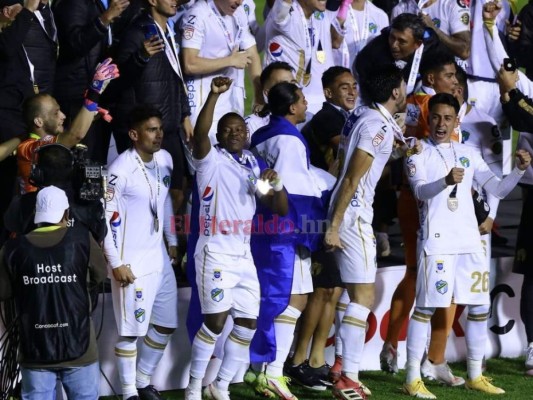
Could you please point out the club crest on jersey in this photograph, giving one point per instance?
(372, 27)
(246, 9)
(275, 49)
(217, 275)
(378, 139)
(217, 294)
(319, 15)
(139, 295)
(140, 315)
(440, 267)
(441, 286)
(109, 193)
(166, 181)
(188, 32)
(465, 162)
(465, 18)
(436, 21)
(466, 135)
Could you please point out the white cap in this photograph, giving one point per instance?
(51, 205)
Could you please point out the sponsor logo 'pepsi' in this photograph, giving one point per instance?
(275, 49)
(115, 223)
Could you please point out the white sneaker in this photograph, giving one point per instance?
(529, 357)
(440, 373)
(211, 392)
(193, 394)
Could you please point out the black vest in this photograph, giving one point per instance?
(51, 296)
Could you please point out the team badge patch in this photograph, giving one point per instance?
(109, 193)
(466, 135)
(166, 181)
(378, 139)
(372, 27)
(319, 15)
(139, 294)
(436, 21)
(440, 267)
(246, 9)
(188, 32)
(441, 286)
(465, 18)
(217, 275)
(465, 162)
(217, 294)
(140, 315)
(275, 49)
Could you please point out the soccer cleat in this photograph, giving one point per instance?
(335, 370)
(529, 358)
(149, 393)
(250, 377)
(211, 392)
(278, 386)
(322, 373)
(482, 384)
(388, 358)
(193, 394)
(346, 389)
(261, 387)
(440, 373)
(304, 376)
(418, 389)
(365, 388)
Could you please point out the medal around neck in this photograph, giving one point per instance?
(453, 203)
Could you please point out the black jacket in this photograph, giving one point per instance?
(519, 111)
(522, 49)
(150, 81)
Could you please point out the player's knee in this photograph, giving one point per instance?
(215, 322)
(246, 323)
(163, 330)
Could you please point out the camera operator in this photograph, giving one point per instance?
(46, 273)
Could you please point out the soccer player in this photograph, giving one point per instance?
(366, 145)
(283, 258)
(323, 135)
(299, 33)
(216, 40)
(451, 261)
(228, 182)
(139, 213)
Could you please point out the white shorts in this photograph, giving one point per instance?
(357, 260)
(302, 280)
(463, 277)
(151, 299)
(227, 282)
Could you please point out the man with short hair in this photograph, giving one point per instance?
(366, 145)
(228, 184)
(46, 272)
(451, 260)
(139, 213)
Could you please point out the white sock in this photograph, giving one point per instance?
(417, 335)
(352, 333)
(126, 354)
(236, 353)
(203, 346)
(340, 309)
(151, 351)
(476, 339)
(284, 326)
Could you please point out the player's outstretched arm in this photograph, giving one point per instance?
(202, 144)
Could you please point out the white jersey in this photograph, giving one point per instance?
(300, 41)
(215, 36)
(366, 129)
(139, 210)
(481, 132)
(361, 27)
(254, 122)
(226, 190)
(450, 16)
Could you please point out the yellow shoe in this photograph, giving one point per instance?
(279, 386)
(261, 387)
(482, 384)
(418, 389)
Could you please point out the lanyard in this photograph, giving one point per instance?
(32, 71)
(171, 50)
(247, 159)
(414, 69)
(308, 31)
(398, 133)
(232, 43)
(357, 35)
(40, 18)
(442, 157)
(153, 199)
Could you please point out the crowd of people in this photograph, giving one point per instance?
(287, 209)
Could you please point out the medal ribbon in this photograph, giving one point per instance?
(357, 35)
(153, 199)
(230, 42)
(398, 133)
(171, 50)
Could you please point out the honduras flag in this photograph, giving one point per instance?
(276, 238)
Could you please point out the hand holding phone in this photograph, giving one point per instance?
(150, 30)
(509, 64)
